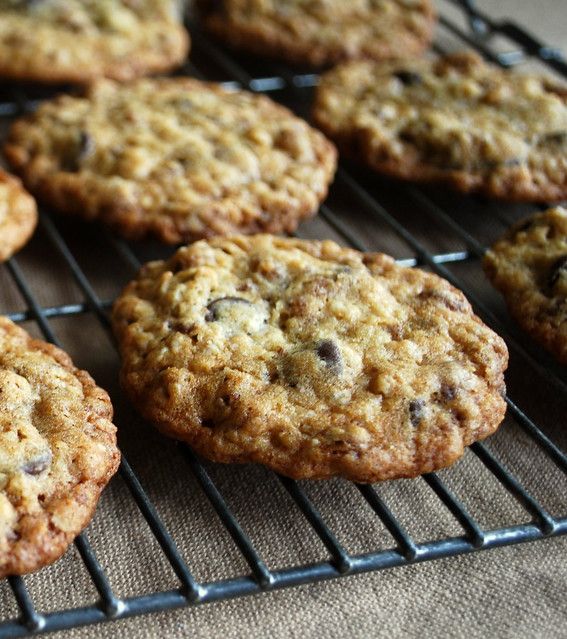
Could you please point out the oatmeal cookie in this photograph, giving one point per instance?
(529, 267)
(455, 120)
(78, 40)
(57, 450)
(18, 216)
(312, 359)
(322, 32)
(174, 157)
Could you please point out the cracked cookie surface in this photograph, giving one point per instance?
(529, 267)
(312, 359)
(18, 216)
(79, 40)
(177, 158)
(322, 32)
(455, 120)
(57, 450)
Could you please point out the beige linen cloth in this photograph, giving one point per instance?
(518, 591)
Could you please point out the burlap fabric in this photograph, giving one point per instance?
(519, 591)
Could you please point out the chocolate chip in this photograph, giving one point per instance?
(558, 137)
(185, 329)
(86, 146)
(329, 352)
(75, 155)
(176, 267)
(207, 423)
(558, 270)
(416, 411)
(408, 78)
(38, 465)
(214, 307)
(510, 162)
(448, 392)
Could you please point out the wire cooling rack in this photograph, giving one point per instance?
(431, 237)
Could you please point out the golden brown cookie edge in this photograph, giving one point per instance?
(433, 457)
(22, 222)
(46, 546)
(543, 332)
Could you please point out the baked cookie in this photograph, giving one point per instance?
(529, 267)
(312, 359)
(78, 40)
(57, 450)
(174, 157)
(18, 216)
(322, 32)
(455, 120)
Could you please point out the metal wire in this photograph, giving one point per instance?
(539, 523)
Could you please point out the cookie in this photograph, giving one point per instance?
(529, 267)
(316, 32)
(455, 120)
(312, 359)
(177, 158)
(78, 40)
(18, 216)
(57, 450)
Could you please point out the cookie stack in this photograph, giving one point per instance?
(312, 359)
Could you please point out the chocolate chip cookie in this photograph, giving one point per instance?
(529, 267)
(455, 120)
(316, 32)
(57, 450)
(18, 216)
(176, 157)
(78, 40)
(312, 359)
